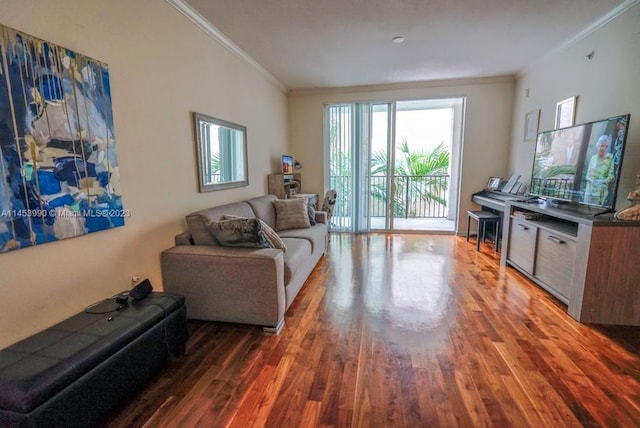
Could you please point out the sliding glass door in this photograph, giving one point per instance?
(394, 164)
(381, 171)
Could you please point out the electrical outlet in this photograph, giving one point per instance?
(135, 278)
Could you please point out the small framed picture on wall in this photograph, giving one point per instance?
(566, 112)
(531, 121)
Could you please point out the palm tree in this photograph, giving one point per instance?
(418, 177)
(214, 172)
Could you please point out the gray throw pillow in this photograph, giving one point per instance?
(272, 236)
(291, 214)
(240, 232)
(311, 211)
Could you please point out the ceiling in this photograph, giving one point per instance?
(336, 43)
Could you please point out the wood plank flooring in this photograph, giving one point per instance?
(403, 331)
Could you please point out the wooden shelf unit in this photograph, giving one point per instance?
(282, 189)
(586, 261)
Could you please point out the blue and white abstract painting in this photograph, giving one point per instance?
(59, 173)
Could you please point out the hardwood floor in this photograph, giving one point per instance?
(403, 331)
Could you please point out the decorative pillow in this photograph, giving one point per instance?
(239, 232)
(270, 234)
(291, 214)
(311, 211)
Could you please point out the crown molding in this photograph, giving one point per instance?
(590, 29)
(599, 23)
(219, 37)
(489, 80)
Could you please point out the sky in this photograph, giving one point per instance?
(423, 129)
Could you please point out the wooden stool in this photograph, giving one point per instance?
(483, 217)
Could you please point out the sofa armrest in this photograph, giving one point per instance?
(321, 217)
(184, 238)
(241, 285)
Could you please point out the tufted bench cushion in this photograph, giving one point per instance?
(77, 372)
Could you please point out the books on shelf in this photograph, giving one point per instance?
(526, 215)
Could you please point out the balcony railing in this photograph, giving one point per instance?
(213, 178)
(414, 196)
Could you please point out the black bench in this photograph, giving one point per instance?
(484, 217)
(79, 371)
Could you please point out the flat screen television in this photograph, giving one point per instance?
(581, 164)
(287, 167)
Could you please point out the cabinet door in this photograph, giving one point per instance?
(522, 244)
(555, 257)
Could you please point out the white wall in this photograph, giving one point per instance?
(162, 68)
(606, 86)
(487, 127)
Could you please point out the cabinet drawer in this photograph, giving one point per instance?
(555, 257)
(522, 244)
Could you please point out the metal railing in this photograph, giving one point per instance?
(414, 196)
(213, 178)
(561, 188)
(554, 187)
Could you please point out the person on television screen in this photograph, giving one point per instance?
(565, 149)
(621, 126)
(599, 173)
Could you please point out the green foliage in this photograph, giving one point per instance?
(561, 170)
(215, 163)
(419, 176)
(543, 167)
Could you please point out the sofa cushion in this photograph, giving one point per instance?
(291, 214)
(240, 232)
(316, 235)
(264, 209)
(299, 251)
(198, 220)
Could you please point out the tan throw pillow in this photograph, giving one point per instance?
(291, 214)
(269, 233)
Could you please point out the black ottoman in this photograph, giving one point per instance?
(79, 371)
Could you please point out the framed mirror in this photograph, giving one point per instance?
(222, 153)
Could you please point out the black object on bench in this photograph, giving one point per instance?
(79, 371)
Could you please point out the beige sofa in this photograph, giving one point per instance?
(242, 285)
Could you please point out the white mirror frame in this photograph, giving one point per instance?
(237, 168)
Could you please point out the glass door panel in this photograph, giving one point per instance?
(424, 136)
(380, 165)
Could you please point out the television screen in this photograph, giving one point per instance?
(287, 167)
(581, 163)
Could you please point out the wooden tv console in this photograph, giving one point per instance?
(586, 261)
